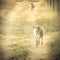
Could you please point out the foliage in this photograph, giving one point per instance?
(49, 25)
(55, 47)
(21, 53)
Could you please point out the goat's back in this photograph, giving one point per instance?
(39, 31)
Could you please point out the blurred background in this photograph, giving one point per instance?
(17, 21)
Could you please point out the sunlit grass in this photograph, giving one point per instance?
(18, 40)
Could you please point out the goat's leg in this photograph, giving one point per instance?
(39, 41)
(42, 40)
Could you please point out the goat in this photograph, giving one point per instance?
(38, 34)
(32, 6)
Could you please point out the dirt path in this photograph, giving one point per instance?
(40, 53)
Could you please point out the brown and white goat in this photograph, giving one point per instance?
(38, 34)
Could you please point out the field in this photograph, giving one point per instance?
(16, 32)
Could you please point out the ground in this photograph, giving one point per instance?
(18, 32)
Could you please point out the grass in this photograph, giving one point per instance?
(21, 52)
(49, 25)
(55, 47)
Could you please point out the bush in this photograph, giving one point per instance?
(55, 48)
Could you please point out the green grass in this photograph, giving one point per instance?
(55, 47)
(49, 25)
(20, 53)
